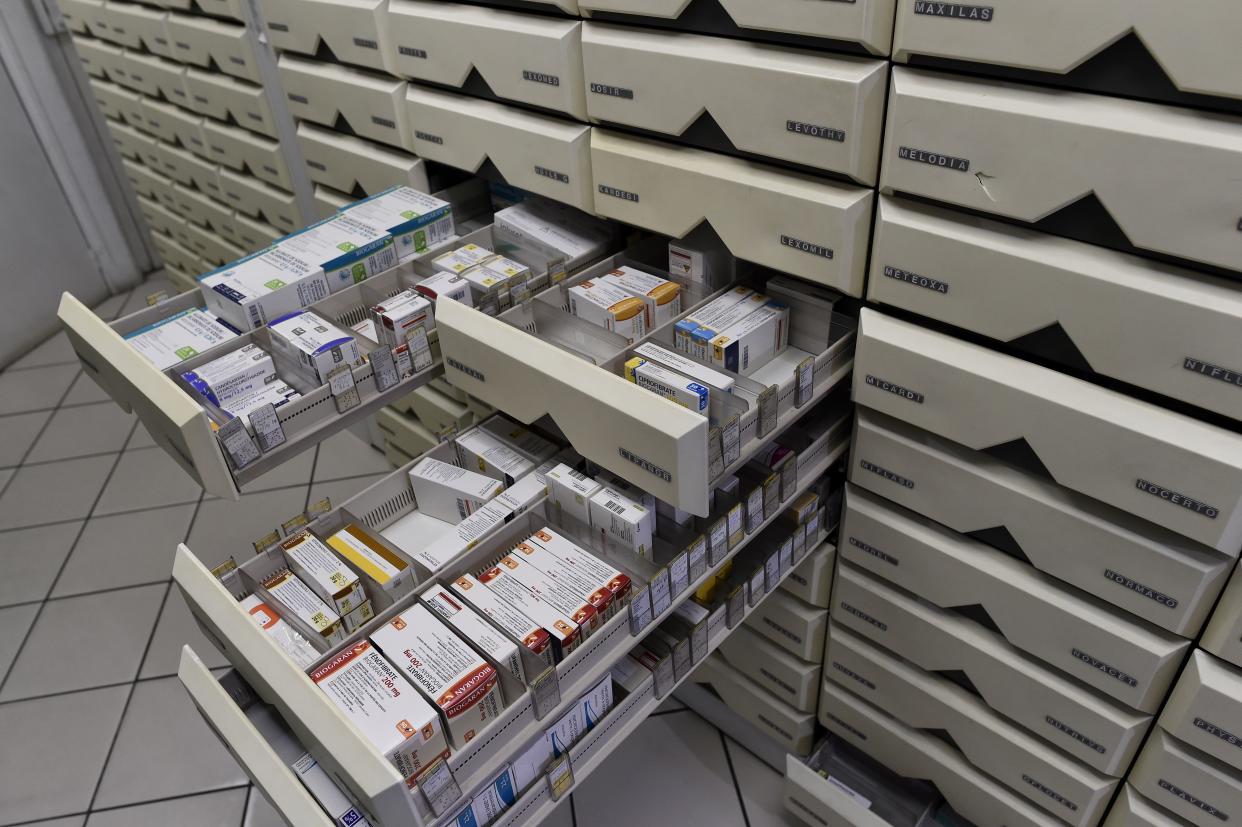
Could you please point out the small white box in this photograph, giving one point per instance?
(518, 437)
(581, 718)
(462, 259)
(285, 636)
(600, 575)
(232, 376)
(316, 566)
(751, 343)
(263, 286)
(451, 675)
(358, 618)
(553, 232)
(399, 316)
(415, 220)
(479, 449)
(179, 337)
(519, 497)
(275, 394)
(347, 249)
(701, 336)
(702, 374)
(668, 384)
(449, 492)
(514, 273)
(662, 297)
(381, 703)
(448, 286)
(572, 491)
(297, 598)
(387, 570)
(475, 629)
(490, 290)
(703, 266)
(564, 631)
(610, 307)
(314, 344)
(622, 523)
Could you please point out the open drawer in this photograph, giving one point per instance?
(355, 31)
(347, 163)
(838, 786)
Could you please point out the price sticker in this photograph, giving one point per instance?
(799, 544)
(661, 592)
(224, 568)
(640, 611)
(293, 525)
(698, 559)
(318, 509)
(420, 349)
(560, 777)
(788, 471)
(439, 787)
(804, 382)
(715, 455)
(681, 660)
(266, 541)
(545, 693)
(679, 574)
(155, 298)
(383, 368)
(737, 524)
(812, 528)
(557, 271)
(735, 608)
(664, 677)
(731, 440)
(769, 402)
(238, 443)
(787, 557)
(268, 432)
(754, 509)
(772, 571)
(754, 587)
(344, 389)
(718, 542)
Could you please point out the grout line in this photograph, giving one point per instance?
(39, 435)
(38, 462)
(121, 513)
(22, 369)
(741, 801)
(64, 692)
(36, 822)
(246, 806)
(60, 597)
(573, 810)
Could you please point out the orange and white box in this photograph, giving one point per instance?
(325, 573)
(507, 618)
(297, 599)
(385, 707)
(462, 685)
(487, 638)
(565, 631)
(285, 636)
(563, 595)
(618, 583)
(608, 306)
(661, 296)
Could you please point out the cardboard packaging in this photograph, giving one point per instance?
(518, 437)
(398, 317)
(668, 384)
(572, 491)
(1150, 572)
(1180, 473)
(376, 697)
(179, 337)
(565, 632)
(971, 142)
(298, 599)
(448, 492)
(561, 593)
(517, 499)
(237, 373)
(479, 449)
(451, 675)
(702, 332)
(609, 307)
(276, 394)
(283, 635)
(263, 286)
(448, 286)
(553, 232)
(317, 567)
(621, 523)
(490, 290)
(600, 573)
(662, 297)
(708, 267)
(1204, 707)
(314, 345)
(513, 622)
(490, 804)
(385, 569)
(1186, 782)
(462, 259)
(415, 220)
(470, 625)
(748, 345)
(348, 249)
(788, 678)
(700, 373)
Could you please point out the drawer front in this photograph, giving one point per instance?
(1021, 152)
(238, 149)
(1028, 766)
(372, 105)
(153, 76)
(539, 153)
(252, 234)
(148, 26)
(1178, 472)
(797, 627)
(112, 99)
(344, 162)
(210, 247)
(811, 581)
(1128, 661)
(1186, 782)
(820, 803)
(793, 730)
(809, 227)
(1059, 300)
(789, 104)
(1223, 635)
(784, 676)
(329, 201)
(1195, 51)
(145, 181)
(1132, 810)
(1153, 573)
(96, 57)
(220, 96)
(916, 755)
(357, 31)
(78, 14)
(1097, 731)
(259, 200)
(1205, 708)
(534, 60)
(157, 217)
(868, 23)
(231, 9)
(202, 41)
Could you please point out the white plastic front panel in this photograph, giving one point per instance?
(372, 105)
(1205, 708)
(344, 162)
(1186, 782)
(356, 31)
(1223, 635)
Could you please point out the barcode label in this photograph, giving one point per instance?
(578, 475)
(614, 507)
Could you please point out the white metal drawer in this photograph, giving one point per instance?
(242, 150)
(346, 163)
(812, 580)
(174, 125)
(355, 31)
(145, 181)
(1133, 810)
(224, 8)
(792, 624)
(153, 76)
(1186, 782)
(258, 199)
(205, 42)
(140, 27)
(795, 223)
(372, 105)
(1205, 708)
(221, 96)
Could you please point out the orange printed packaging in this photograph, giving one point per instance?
(565, 631)
(608, 306)
(508, 619)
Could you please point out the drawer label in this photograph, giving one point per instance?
(845, 726)
(316, 165)
(781, 630)
(387, 123)
(302, 99)
(278, 27)
(1146, 591)
(845, 670)
(1190, 799)
(649, 467)
(1096, 663)
(624, 195)
(410, 51)
(428, 137)
(895, 389)
(956, 11)
(887, 474)
(775, 727)
(827, 133)
(933, 159)
(874, 552)
(364, 43)
(612, 91)
(1223, 734)
(883, 627)
(1189, 503)
(1073, 733)
(466, 369)
(541, 77)
(551, 173)
(1229, 377)
(806, 246)
(1053, 794)
(774, 679)
(918, 281)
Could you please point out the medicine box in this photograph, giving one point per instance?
(385, 568)
(561, 594)
(449, 492)
(451, 675)
(565, 632)
(747, 345)
(470, 624)
(348, 250)
(234, 375)
(488, 805)
(720, 308)
(572, 491)
(668, 384)
(512, 274)
(325, 573)
(462, 259)
(283, 635)
(478, 449)
(514, 623)
(275, 394)
(398, 317)
(621, 523)
(297, 599)
(314, 345)
(608, 306)
(551, 231)
(518, 437)
(448, 286)
(702, 374)
(179, 337)
(357, 618)
(661, 296)
(263, 286)
(375, 696)
(596, 589)
(415, 220)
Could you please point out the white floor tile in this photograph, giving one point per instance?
(296, 471)
(87, 641)
(34, 390)
(85, 390)
(14, 623)
(140, 438)
(222, 809)
(563, 816)
(88, 429)
(32, 557)
(6, 474)
(63, 745)
(176, 628)
(20, 431)
(55, 351)
(147, 478)
(763, 789)
(164, 749)
(224, 528)
(110, 307)
(53, 492)
(70, 821)
(345, 455)
(260, 812)
(125, 550)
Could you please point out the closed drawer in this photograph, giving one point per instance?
(231, 9)
(795, 223)
(1133, 810)
(260, 200)
(158, 218)
(329, 201)
(153, 76)
(520, 57)
(1223, 635)
(252, 234)
(79, 14)
(1178, 472)
(1087, 725)
(99, 58)
(1030, 767)
(222, 97)
(242, 150)
(190, 170)
(1205, 708)
(798, 106)
(545, 155)
(842, 787)
(355, 31)
(1069, 630)
(145, 181)
(204, 42)
(174, 125)
(792, 624)
(811, 581)
(439, 412)
(784, 676)
(792, 729)
(1163, 173)
(1058, 299)
(346, 163)
(130, 143)
(201, 209)
(914, 754)
(140, 26)
(1150, 572)
(372, 105)
(111, 27)
(210, 247)
(176, 253)
(1186, 782)
(1195, 51)
(114, 101)
(868, 23)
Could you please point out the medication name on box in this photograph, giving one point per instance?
(517, 499)
(622, 523)
(459, 682)
(316, 565)
(500, 649)
(490, 290)
(282, 634)
(381, 703)
(672, 360)
(572, 491)
(181, 336)
(514, 623)
(415, 220)
(236, 374)
(491, 803)
(746, 346)
(275, 394)
(462, 259)
(445, 285)
(701, 337)
(668, 384)
(315, 345)
(618, 583)
(298, 600)
(608, 306)
(398, 317)
(708, 314)
(346, 249)
(566, 634)
(557, 739)
(561, 595)
(661, 296)
(266, 285)
(367, 554)
(593, 592)
(448, 492)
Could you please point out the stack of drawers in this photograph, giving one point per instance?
(181, 91)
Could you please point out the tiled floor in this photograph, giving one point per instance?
(96, 728)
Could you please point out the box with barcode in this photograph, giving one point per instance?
(232, 376)
(562, 594)
(601, 573)
(470, 625)
(481, 451)
(415, 220)
(564, 631)
(462, 259)
(444, 285)
(266, 285)
(314, 345)
(401, 315)
(324, 572)
(346, 249)
(179, 337)
(449, 492)
(621, 523)
(295, 598)
(572, 491)
(508, 618)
